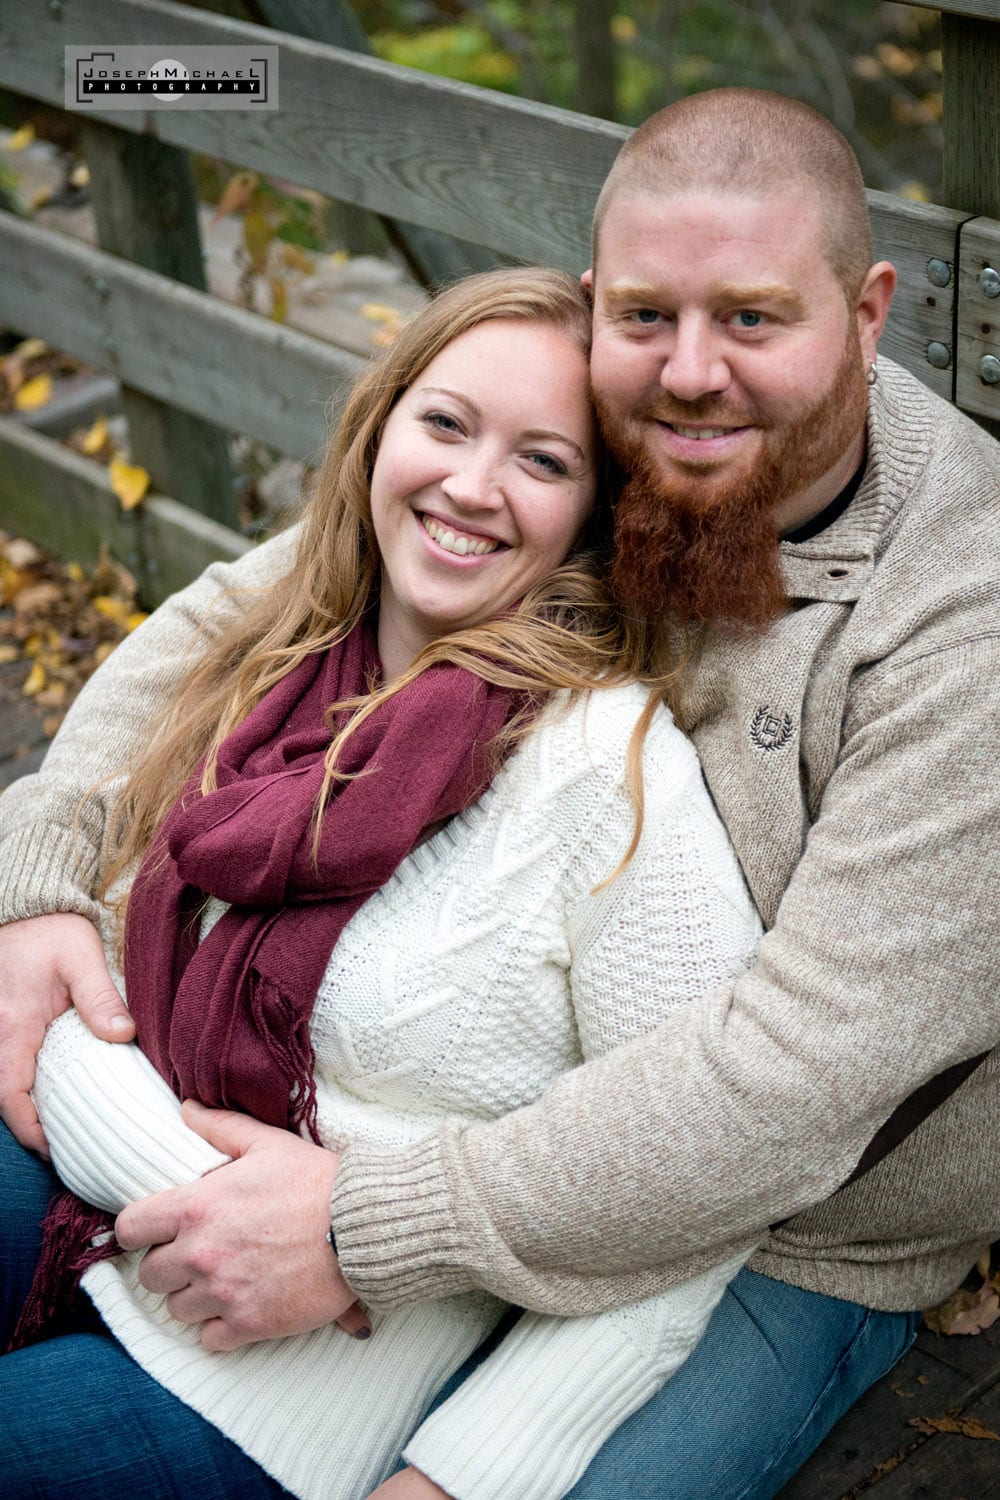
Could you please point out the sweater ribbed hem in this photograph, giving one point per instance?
(46, 870)
(502, 1434)
(393, 1222)
(889, 1286)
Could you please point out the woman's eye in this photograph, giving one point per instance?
(548, 463)
(441, 421)
(747, 318)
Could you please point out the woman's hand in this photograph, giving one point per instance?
(409, 1484)
(243, 1251)
(48, 964)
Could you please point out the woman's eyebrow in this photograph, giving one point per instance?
(543, 435)
(443, 390)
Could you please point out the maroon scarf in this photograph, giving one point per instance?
(226, 1021)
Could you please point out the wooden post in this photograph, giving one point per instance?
(146, 210)
(971, 76)
(595, 58)
(433, 259)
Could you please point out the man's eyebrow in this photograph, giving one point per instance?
(731, 293)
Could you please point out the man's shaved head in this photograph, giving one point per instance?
(748, 143)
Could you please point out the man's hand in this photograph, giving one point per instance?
(243, 1251)
(48, 964)
(409, 1484)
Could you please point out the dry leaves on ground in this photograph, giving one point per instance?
(971, 1308)
(969, 1427)
(60, 619)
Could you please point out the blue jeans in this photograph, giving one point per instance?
(776, 1369)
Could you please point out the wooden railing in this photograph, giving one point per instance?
(457, 170)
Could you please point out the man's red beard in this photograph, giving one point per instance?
(695, 549)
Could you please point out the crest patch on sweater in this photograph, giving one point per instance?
(769, 731)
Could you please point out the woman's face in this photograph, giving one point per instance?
(485, 474)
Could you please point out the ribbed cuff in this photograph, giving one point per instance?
(531, 1418)
(397, 1240)
(46, 869)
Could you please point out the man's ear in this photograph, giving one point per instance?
(587, 280)
(873, 305)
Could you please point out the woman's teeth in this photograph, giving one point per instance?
(464, 546)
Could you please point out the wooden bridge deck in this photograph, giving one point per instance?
(875, 1448)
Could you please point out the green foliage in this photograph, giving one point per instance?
(463, 52)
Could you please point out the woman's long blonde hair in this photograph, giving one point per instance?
(564, 634)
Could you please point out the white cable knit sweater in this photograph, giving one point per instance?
(485, 967)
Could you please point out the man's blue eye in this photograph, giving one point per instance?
(749, 319)
(645, 315)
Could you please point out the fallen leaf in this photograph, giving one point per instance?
(8, 654)
(103, 651)
(35, 680)
(21, 138)
(378, 312)
(33, 393)
(969, 1427)
(112, 609)
(128, 481)
(297, 259)
(258, 232)
(235, 195)
(279, 298)
(74, 572)
(30, 348)
(41, 197)
(94, 440)
(965, 1312)
(36, 598)
(21, 553)
(339, 257)
(80, 175)
(135, 619)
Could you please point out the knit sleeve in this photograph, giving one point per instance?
(52, 824)
(675, 923)
(113, 1126)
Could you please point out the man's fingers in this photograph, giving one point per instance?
(229, 1132)
(355, 1322)
(151, 1221)
(101, 1006)
(21, 1119)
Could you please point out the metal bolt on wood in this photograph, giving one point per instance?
(989, 282)
(938, 272)
(989, 369)
(938, 355)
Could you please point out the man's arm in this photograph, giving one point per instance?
(52, 827)
(880, 971)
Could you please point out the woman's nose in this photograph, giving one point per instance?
(474, 484)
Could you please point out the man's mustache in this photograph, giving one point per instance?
(705, 412)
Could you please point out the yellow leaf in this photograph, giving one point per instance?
(129, 482)
(339, 257)
(915, 191)
(94, 440)
(21, 138)
(32, 393)
(258, 232)
(74, 571)
(112, 609)
(236, 194)
(30, 348)
(80, 175)
(378, 312)
(135, 619)
(41, 197)
(297, 259)
(103, 651)
(8, 654)
(279, 298)
(35, 681)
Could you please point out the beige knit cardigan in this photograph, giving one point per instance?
(851, 751)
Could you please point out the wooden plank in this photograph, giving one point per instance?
(516, 176)
(971, 81)
(146, 210)
(978, 328)
(950, 1466)
(64, 502)
(986, 10)
(911, 235)
(433, 258)
(876, 1431)
(235, 368)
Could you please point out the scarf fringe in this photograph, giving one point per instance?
(293, 1056)
(68, 1250)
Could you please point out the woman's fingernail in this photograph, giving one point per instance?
(363, 1333)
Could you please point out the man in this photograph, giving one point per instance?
(838, 690)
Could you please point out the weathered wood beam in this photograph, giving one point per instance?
(433, 258)
(234, 368)
(146, 210)
(985, 9)
(64, 501)
(971, 85)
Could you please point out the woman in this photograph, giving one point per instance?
(485, 937)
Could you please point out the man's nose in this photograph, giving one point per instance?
(695, 365)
